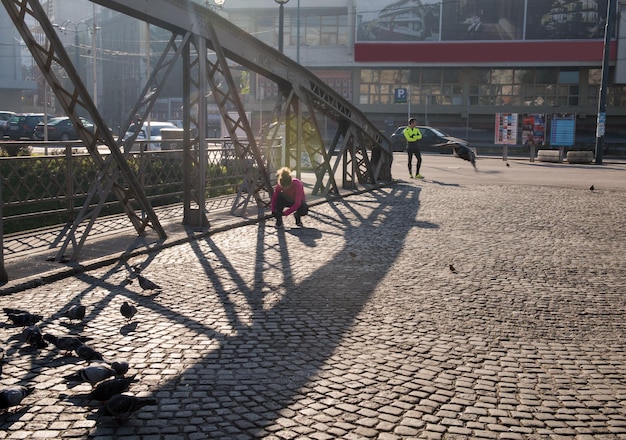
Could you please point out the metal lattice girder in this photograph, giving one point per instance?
(167, 60)
(233, 43)
(51, 57)
(107, 178)
(256, 178)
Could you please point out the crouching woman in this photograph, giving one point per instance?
(288, 193)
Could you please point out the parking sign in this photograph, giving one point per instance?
(400, 96)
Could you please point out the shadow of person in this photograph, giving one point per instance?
(308, 236)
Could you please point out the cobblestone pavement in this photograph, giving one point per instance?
(356, 327)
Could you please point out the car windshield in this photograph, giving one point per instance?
(54, 121)
(438, 132)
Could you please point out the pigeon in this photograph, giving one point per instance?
(452, 269)
(128, 310)
(92, 374)
(121, 368)
(87, 353)
(592, 188)
(465, 153)
(146, 284)
(76, 312)
(13, 396)
(507, 164)
(67, 343)
(122, 406)
(105, 390)
(22, 317)
(32, 336)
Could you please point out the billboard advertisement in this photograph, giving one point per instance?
(506, 129)
(486, 20)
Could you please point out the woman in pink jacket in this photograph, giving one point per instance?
(288, 193)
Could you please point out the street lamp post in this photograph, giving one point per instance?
(281, 22)
(64, 28)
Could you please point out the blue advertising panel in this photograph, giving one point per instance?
(563, 129)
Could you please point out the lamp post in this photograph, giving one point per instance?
(281, 22)
(604, 85)
(64, 28)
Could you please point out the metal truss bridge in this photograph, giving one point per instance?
(364, 152)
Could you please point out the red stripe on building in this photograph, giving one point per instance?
(576, 51)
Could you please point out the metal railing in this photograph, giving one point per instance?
(45, 190)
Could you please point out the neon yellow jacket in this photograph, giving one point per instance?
(412, 135)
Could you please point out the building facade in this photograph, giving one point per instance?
(459, 62)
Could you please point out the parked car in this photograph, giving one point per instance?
(61, 129)
(433, 140)
(4, 118)
(23, 126)
(154, 136)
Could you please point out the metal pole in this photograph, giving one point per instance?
(76, 44)
(281, 18)
(602, 104)
(408, 99)
(95, 59)
(4, 276)
(298, 36)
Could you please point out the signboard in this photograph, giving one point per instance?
(506, 129)
(563, 129)
(534, 129)
(487, 20)
(601, 125)
(400, 96)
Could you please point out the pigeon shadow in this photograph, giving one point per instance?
(426, 225)
(73, 326)
(11, 417)
(128, 328)
(437, 182)
(79, 399)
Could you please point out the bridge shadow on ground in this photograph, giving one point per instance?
(252, 323)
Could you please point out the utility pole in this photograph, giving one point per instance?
(94, 37)
(601, 121)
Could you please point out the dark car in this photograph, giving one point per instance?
(61, 129)
(23, 126)
(433, 140)
(4, 118)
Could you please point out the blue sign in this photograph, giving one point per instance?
(563, 129)
(601, 125)
(401, 96)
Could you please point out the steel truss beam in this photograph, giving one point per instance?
(292, 78)
(303, 96)
(51, 57)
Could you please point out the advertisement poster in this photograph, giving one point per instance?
(534, 129)
(563, 129)
(462, 20)
(506, 129)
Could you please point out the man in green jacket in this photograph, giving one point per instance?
(412, 135)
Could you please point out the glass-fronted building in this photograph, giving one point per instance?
(460, 62)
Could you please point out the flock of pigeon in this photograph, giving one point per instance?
(107, 378)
